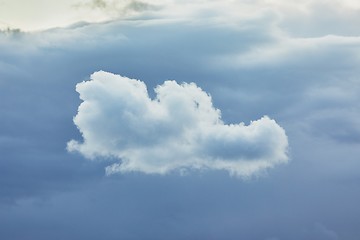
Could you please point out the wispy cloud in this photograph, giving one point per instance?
(117, 9)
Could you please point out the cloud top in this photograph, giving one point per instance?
(177, 130)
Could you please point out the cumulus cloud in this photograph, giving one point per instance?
(179, 129)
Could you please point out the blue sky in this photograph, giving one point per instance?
(96, 142)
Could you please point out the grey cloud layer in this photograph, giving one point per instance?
(309, 85)
(179, 129)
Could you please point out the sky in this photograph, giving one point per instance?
(167, 119)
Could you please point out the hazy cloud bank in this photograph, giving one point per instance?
(178, 130)
(299, 75)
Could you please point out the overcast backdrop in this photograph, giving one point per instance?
(257, 136)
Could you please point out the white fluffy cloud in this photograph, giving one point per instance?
(177, 130)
